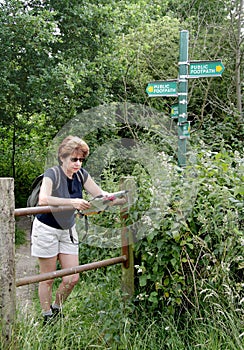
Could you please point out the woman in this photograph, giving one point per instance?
(54, 236)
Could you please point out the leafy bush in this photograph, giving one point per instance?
(196, 240)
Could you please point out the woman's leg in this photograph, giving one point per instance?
(68, 282)
(45, 287)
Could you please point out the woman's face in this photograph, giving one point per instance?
(72, 163)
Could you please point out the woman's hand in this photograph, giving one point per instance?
(80, 204)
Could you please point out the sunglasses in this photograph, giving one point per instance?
(74, 160)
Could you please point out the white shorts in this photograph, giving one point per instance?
(47, 242)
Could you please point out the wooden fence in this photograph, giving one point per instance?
(8, 281)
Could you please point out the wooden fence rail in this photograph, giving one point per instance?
(41, 210)
(70, 271)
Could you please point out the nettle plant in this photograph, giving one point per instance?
(190, 237)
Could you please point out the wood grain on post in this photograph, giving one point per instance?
(7, 257)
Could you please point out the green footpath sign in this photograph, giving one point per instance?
(162, 88)
(174, 112)
(184, 130)
(199, 69)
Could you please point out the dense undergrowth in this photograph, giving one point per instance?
(97, 317)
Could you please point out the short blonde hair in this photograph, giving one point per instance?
(70, 145)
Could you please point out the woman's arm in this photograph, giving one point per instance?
(46, 198)
(93, 189)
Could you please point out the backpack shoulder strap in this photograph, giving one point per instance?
(80, 176)
(57, 174)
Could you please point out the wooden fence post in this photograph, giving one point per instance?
(127, 239)
(7, 258)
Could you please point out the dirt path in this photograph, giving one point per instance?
(26, 265)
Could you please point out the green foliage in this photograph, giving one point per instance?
(26, 42)
(192, 245)
(217, 134)
(137, 59)
(97, 317)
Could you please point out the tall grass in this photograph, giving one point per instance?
(96, 317)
